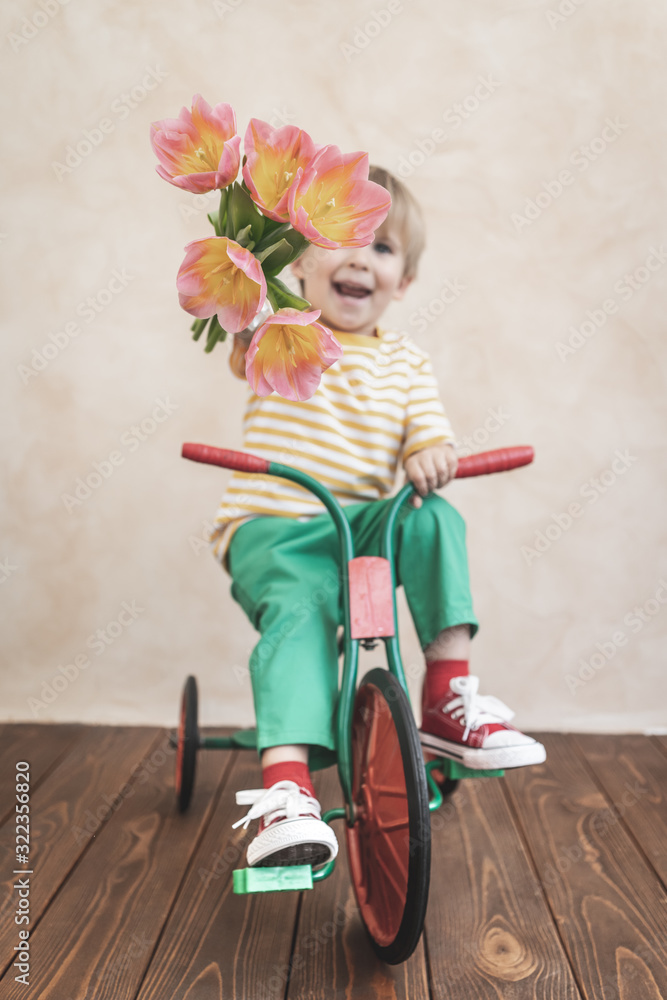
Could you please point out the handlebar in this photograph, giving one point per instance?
(498, 460)
(238, 460)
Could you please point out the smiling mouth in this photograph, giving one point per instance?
(351, 291)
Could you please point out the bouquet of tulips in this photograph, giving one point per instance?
(292, 193)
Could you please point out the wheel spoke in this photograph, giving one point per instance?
(389, 879)
(388, 825)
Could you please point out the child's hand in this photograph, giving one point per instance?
(430, 469)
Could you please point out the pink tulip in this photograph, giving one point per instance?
(274, 156)
(199, 150)
(333, 204)
(289, 352)
(219, 276)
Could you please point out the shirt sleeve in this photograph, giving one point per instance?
(426, 422)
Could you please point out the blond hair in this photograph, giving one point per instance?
(405, 215)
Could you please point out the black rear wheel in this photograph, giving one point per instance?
(187, 744)
(389, 846)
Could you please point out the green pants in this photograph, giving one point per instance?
(285, 575)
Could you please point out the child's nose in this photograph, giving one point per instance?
(359, 257)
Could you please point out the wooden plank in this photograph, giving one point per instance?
(39, 744)
(332, 955)
(633, 773)
(97, 937)
(609, 904)
(66, 811)
(217, 944)
(489, 932)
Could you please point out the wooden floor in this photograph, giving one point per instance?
(548, 883)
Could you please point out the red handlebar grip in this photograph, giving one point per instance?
(223, 456)
(498, 460)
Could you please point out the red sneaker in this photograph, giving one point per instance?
(474, 730)
(291, 831)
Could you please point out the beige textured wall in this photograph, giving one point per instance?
(483, 107)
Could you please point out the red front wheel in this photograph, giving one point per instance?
(389, 846)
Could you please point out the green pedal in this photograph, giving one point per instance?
(287, 878)
(452, 769)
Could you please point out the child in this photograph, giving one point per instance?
(377, 404)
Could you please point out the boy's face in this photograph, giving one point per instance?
(352, 288)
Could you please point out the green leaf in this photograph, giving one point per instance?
(244, 238)
(280, 296)
(282, 248)
(213, 219)
(279, 231)
(243, 212)
(270, 226)
(291, 246)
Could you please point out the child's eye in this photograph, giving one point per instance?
(383, 247)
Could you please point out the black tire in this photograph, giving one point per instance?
(187, 744)
(389, 846)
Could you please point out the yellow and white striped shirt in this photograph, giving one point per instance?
(378, 403)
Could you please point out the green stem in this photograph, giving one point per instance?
(224, 194)
(199, 326)
(215, 333)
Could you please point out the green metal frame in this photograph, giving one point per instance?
(350, 645)
(302, 877)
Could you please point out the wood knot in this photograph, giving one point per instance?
(502, 955)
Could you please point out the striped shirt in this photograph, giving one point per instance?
(379, 403)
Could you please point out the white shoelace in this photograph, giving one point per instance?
(284, 800)
(476, 709)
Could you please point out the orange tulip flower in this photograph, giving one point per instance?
(289, 352)
(220, 277)
(198, 151)
(274, 155)
(333, 204)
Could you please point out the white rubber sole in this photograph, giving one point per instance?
(292, 833)
(493, 759)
